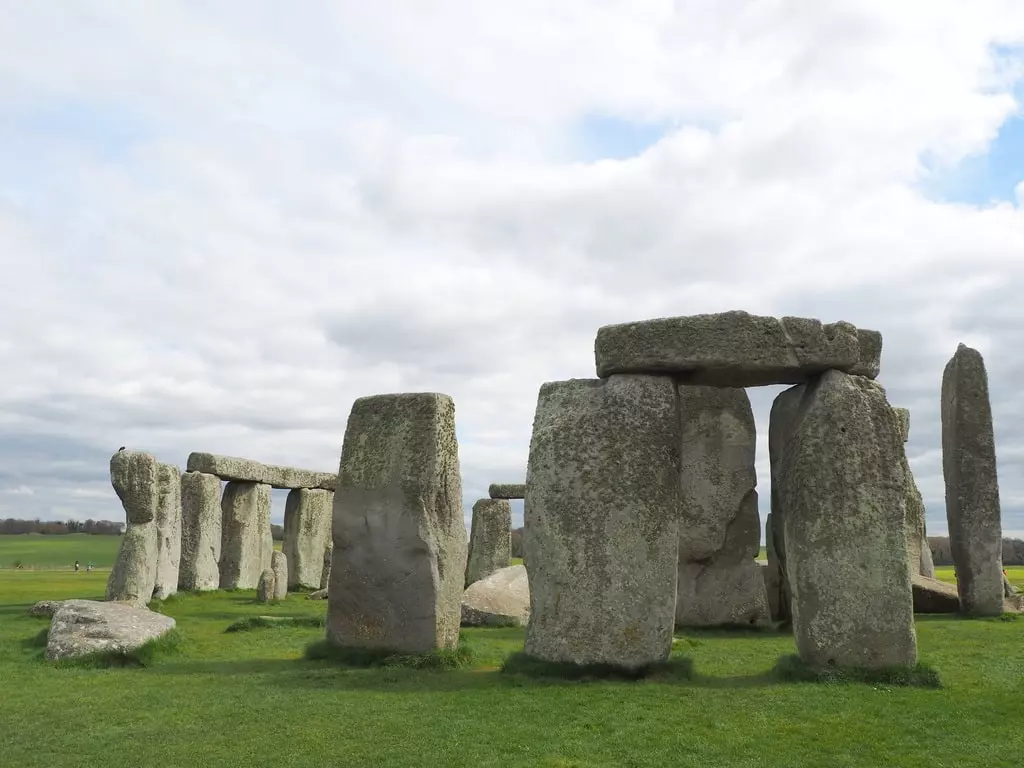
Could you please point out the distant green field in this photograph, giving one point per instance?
(38, 551)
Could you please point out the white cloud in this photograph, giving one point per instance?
(219, 245)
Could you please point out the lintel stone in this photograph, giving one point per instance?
(248, 471)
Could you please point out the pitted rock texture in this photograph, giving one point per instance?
(719, 529)
(81, 627)
(246, 541)
(246, 470)
(933, 596)
(490, 539)
(919, 554)
(734, 349)
(784, 410)
(972, 486)
(502, 599)
(307, 535)
(602, 521)
(325, 574)
(399, 559)
(45, 608)
(134, 477)
(870, 362)
(507, 491)
(266, 588)
(903, 417)
(846, 555)
(201, 522)
(775, 576)
(168, 530)
(279, 565)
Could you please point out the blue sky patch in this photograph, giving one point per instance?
(603, 137)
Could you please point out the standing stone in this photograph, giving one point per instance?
(307, 535)
(325, 573)
(279, 565)
(774, 576)
(200, 532)
(780, 422)
(399, 558)
(972, 488)
(602, 521)
(919, 554)
(133, 475)
(719, 530)
(168, 529)
(846, 554)
(266, 588)
(246, 540)
(490, 539)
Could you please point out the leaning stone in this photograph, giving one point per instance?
(846, 555)
(45, 608)
(507, 491)
(279, 565)
(490, 539)
(134, 477)
(246, 540)
(82, 627)
(602, 521)
(267, 587)
(168, 531)
(399, 559)
(934, 596)
(780, 426)
(502, 599)
(307, 535)
(972, 487)
(200, 531)
(247, 471)
(729, 349)
(720, 531)
(320, 594)
(870, 362)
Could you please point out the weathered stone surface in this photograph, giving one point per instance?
(400, 542)
(602, 509)
(81, 627)
(784, 410)
(246, 470)
(846, 555)
(730, 349)
(279, 565)
(502, 599)
(933, 596)
(870, 361)
(507, 491)
(919, 554)
(774, 577)
(134, 477)
(307, 535)
(168, 530)
(325, 573)
(972, 487)
(903, 417)
(490, 539)
(201, 521)
(320, 594)
(719, 529)
(45, 608)
(246, 541)
(267, 587)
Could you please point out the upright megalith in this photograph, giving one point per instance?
(134, 475)
(201, 524)
(490, 539)
(168, 530)
(307, 535)
(972, 488)
(279, 565)
(399, 538)
(246, 541)
(719, 527)
(602, 521)
(266, 587)
(919, 554)
(846, 555)
(780, 422)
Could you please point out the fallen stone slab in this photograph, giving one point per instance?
(934, 596)
(45, 608)
(82, 627)
(246, 470)
(320, 594)
(735, 349)
(499, 600)
(507, 491)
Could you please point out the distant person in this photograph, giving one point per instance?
(76, 566)
(88, 567)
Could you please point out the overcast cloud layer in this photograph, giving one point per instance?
(222, 222)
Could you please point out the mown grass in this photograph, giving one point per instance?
(251, 698)
(36, 550)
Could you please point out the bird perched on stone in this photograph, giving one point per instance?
(120, 449)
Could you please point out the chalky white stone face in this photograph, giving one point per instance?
(500, 599)
(201, 522)
(307, 535)
(490, 539)
(246, 541)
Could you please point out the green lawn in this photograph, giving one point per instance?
(249, 699)
(34, 550)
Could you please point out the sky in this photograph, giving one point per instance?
(222, 222)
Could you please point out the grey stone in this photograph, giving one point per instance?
(775, 576)
(266, 588)
(933, 596)
(719, 529)
(320, 594)
(490, 539)
(246, 540)
(133, 577)
(279, 565)
(729, 349)
(502, 599)
(507, 491)
(307, 535)
(846, 555)
(972, 486)
(399, 559)
(168, 530)
(903, 417)
(82, 627)
(200, 531)
(784, 410)
(919, 554)
(248, 471)
(325, 573)
(602, 521)
(45, 608)
(870, 362)
(134, 477)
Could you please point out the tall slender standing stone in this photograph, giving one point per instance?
(307, 535)
(780, 422)
(200, 531)
(720, 530)
(490, 539)
(279, 565)
(602, 521)
(846, 554)
(246, 540)
(972, 487)
(135, 479)
(168, 529)
(399, 558)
